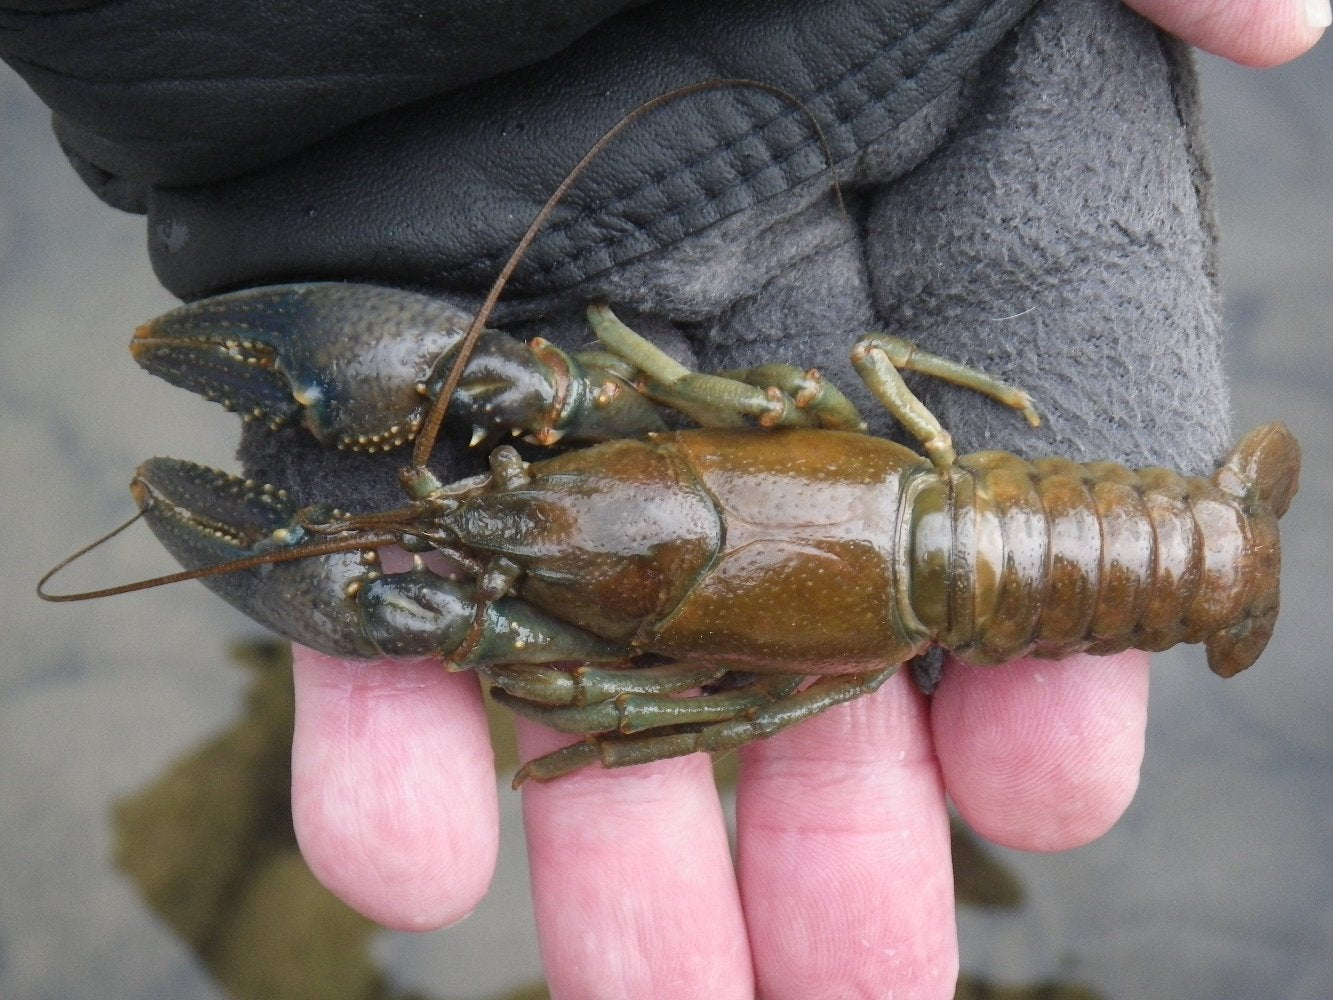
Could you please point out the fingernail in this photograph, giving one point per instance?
(1318, 13)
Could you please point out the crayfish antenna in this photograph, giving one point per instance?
(88, 595)
(363, 538)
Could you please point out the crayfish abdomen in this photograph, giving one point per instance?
(1051, 558)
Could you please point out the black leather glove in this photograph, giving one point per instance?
(1024, 186)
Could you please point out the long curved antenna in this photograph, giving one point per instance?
(363, 541)
(430, 429)
(366, 536)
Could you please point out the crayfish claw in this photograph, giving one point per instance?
(359, 365)
(207, 518)
(348, 362)
(331, 593)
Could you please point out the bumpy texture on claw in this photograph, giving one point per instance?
(359, 365)
(205, 517)
(343, 360)
(338, 602)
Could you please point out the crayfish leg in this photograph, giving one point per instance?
(638, 713)
(769, 395)
(744, 727)
(880, 360)
(588, 685)
(927, 669)
(812, 392)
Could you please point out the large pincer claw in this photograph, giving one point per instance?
(209, 518)
(359, 366)
(335, 600)
(350, 362)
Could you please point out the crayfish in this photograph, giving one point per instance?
(662, 592)
(672, 591)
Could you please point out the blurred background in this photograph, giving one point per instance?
(145, 846)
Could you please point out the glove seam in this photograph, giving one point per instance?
(748, 181)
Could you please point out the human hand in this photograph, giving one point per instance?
(393, 789)
(1250, 32)
(842, 885)
(843, 875)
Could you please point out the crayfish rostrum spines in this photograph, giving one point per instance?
(670, 592)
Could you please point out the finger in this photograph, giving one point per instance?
(1043, 755)
(844, 855)
(632, 880)
(393, 787)
(1250, 32)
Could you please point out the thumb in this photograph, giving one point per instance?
(1250, 32)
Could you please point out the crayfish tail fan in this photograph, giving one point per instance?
(1263, 471)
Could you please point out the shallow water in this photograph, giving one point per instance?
(1216, 883)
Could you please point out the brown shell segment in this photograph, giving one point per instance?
(1051, 557)
(1071, 595)
(812, 526)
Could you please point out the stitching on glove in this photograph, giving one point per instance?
(674, 172)
(683, 215)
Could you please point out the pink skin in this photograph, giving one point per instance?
(843, 886)
(393, 787)
(1250, 32)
